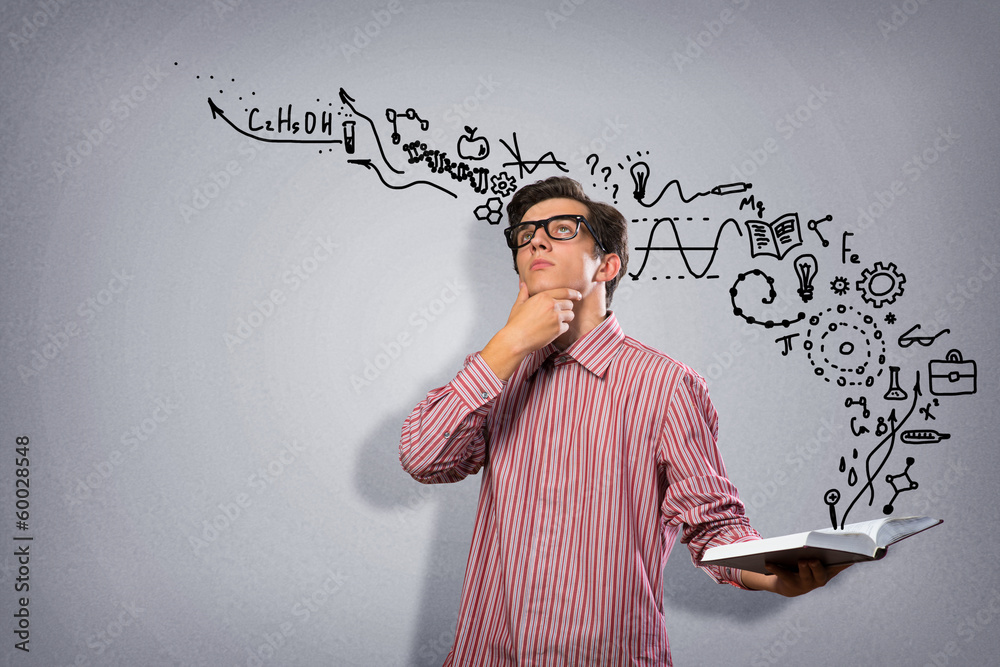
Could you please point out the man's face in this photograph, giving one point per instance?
(545, 264)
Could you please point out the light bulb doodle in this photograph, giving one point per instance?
(805, 270)
(769, 299)
(683, 250)
(640, 176)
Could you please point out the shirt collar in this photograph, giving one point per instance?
(594, 351)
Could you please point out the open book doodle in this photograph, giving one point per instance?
(776, 237)
(856, 542)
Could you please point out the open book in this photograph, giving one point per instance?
(856, 542)
(776, 237)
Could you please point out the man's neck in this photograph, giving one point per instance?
(586, 317)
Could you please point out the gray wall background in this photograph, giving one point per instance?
(196, 501)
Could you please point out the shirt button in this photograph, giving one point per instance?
(485, 396)
(447, 434)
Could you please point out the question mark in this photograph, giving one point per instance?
(596, 160)
(607, 173)
(614, 193)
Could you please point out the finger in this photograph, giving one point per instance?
(522, 293)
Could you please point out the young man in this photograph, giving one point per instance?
(596, 451)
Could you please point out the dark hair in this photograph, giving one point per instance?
(607, 222)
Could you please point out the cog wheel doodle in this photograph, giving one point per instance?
(840, 285)
(881, 284)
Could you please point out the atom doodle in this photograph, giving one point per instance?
(843, 349)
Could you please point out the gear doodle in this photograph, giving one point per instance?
(502, 184)
(840, 286)
(880, 284)
(491, 211)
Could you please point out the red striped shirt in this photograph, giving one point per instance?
(593, 460)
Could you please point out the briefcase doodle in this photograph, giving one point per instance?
(952, 376)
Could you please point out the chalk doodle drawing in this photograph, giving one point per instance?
(841, 342)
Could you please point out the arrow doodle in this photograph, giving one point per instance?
(219, 113)
(367, 164)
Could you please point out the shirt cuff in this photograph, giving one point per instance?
(476, 384)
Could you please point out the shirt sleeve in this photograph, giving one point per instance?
(444, 439)
(700, 497)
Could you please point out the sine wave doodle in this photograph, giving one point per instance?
(682, 249)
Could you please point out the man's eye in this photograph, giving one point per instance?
(526, 235)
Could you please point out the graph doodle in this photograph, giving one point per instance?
(843, 348)
(863, 402)
(530, 166)
(683, 250)
(769, 299)
(774, 238)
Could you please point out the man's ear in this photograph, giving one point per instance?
(611, 264)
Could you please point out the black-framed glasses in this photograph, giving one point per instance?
(559, 228)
